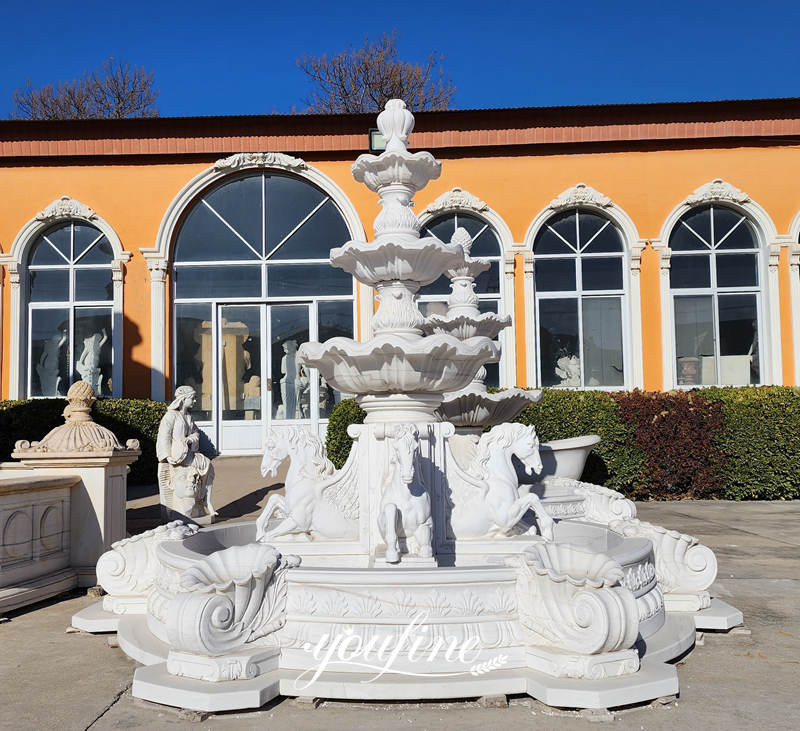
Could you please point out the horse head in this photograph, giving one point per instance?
(276, 450)
(404, 447)
(510, 439)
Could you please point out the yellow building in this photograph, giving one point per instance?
(636, 246)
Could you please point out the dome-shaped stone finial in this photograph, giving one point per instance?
(462, 238)
(395, 123)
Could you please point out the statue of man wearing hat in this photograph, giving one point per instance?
(185, 476)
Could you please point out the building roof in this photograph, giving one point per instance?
(627, 124)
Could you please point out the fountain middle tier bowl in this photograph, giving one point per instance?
(398, 257)
(398, 364)
(475, 408)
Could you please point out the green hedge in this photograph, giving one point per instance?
(731, 443)
(127, 418)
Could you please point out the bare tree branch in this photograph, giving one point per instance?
(363, 80)
(114, 91)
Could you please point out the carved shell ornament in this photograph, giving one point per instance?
(260, 159)
(65, 207)
(79, 433)
(581, 194)
(717, 190)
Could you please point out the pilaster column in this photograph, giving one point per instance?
(15, 389)
(635, 359)
(158, 328)
(667, 334)
(773, 321)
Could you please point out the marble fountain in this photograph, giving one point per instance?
(425, 568)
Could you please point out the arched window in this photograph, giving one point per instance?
(580, 288)
(252, 281)
(485, 245)
(715, 287)
(70, 296)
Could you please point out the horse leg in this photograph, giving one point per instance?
(274, 503)
(390, 534)
(546, 523)
(424, 538)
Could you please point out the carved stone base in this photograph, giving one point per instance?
(570, 665)
(234, 666)
(416, 408)
(687, 602)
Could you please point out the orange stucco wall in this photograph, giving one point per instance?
(647, 185)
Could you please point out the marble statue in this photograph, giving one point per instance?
(88, 365)
(289, 382)
(47, 367)
(568, 369)
(185, 476)
(319, 501)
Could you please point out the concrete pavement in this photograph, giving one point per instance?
(49, 679)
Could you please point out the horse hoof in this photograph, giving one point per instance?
(392, 557)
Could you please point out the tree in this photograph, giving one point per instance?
(114, 91)
(363, 80)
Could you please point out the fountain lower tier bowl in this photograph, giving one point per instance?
(333, 613)
(397, 364)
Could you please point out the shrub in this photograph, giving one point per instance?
(677, 433)
(616, 462)
(128, 418)
(337, 442)
(760, 436)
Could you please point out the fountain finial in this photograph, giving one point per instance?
(395, 123)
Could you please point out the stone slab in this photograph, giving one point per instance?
(35, 590)
(153, 683)
(95, 619)
(139, 644)
(719, 616)
(653, 680)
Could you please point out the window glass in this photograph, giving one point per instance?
(317, 236)
(559, 342)
(291, 389)
(439, 286)
(689, 272)
(305, 280)
(737, 270)
(217, 281)
(238, 203)
(60, 238)
(93, 352)
(489, 281)
(555, 275)
(738, 340)
(335, 320)
(204, 237)
(694, 340)
(732, 230)
(601, 273)
(695, 230)
(602, 342)
(49, 285)
(44, 254)
(289, 201)
(194, 345)
(547, 242)
(49, 352)
(98, 253)
(240, 365)
(564, 226)
(94, 285)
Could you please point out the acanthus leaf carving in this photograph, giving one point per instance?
(233, 597)
(456, 199)
(130, 566)
(260, 159)
(581, 194)
(65, 207)
(572, 600)
(717, 190)
(683, 564)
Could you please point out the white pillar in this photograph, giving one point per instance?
(158, 328)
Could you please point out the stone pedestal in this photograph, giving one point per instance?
(87, 450)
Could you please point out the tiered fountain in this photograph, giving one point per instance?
(422, 568)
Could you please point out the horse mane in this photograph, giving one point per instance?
(502, 436)
(313, 448)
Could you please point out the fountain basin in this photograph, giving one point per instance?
(487, 324)
(477, 408)
(566, 457)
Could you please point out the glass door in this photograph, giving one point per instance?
(291, 388)
(241, 393)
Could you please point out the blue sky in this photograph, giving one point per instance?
(239, 58)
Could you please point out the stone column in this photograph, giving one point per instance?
(82, 447)
(158, 321)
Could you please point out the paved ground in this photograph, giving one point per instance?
(49, 679)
